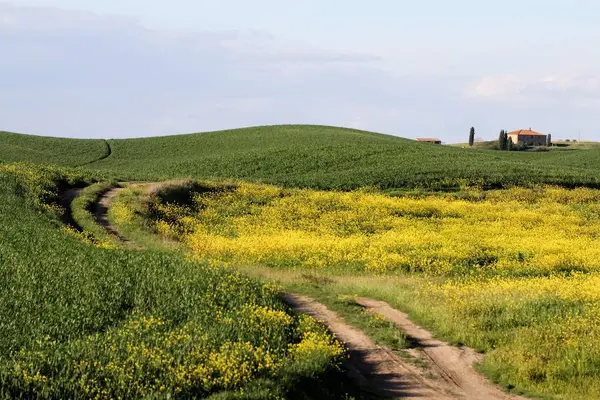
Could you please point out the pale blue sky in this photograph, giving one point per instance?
(123, 68)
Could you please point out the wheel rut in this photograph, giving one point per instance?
(64, 200)
(101, 212)
(448, 371)
(107, 153)
(375, 368)
(454, 364)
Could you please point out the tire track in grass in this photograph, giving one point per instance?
(106, 154)
(454, 364)
(64, 200)
(375, 368)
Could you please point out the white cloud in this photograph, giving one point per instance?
(537, 90)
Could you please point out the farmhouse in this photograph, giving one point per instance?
(527, 137)
(429, 140)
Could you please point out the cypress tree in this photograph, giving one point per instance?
(472, 136)
(502, 140)
(509, 144)
(506, 138)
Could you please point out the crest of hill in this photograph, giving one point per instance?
(325, 157)
(50, 150)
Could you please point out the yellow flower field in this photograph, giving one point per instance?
(514, 273)
(512, 232)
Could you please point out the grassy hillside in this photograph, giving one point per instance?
(329, 157)
(488, 145)
(50, 150)
(78, 321)
(315, 156)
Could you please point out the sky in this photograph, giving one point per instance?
(428, 68)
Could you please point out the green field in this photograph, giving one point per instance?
(81, 321)
(498, 260)
(559, 145)
(50, 150)
(315, 156)
(327, 157)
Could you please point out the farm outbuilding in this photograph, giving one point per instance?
(429, 140)
(528, 137)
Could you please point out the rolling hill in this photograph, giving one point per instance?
(50, 150)
(312, 156)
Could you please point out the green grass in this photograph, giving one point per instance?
(50, 150)
(129, 213)
(329, 157)
(561, 145)
(78, 321)
(313, 156)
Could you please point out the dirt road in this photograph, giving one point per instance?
(375, 368)
(453, 364)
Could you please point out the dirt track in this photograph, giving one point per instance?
(101, 211)
(448, 371)
(453, 364)
(375, 368)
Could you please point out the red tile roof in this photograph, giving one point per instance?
(527, 132)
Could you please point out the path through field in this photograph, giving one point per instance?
(101, 212)
(375, 368)
(454, 364)
(447, 371)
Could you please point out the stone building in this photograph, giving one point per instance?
(527, 137)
